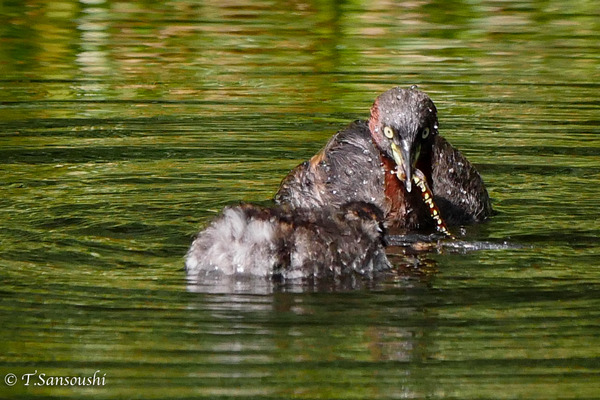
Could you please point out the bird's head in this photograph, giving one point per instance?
(403, 124)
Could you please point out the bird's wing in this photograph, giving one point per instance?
(346, 169)
(457, 186)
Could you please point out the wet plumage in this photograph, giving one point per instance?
(373, 161)
(286, 243)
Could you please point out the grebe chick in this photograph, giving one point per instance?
(291, 243)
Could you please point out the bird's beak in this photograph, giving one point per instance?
(402, 157)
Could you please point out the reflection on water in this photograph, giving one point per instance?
(126, 126)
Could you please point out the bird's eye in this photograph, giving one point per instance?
(425, 133)
(388, 132)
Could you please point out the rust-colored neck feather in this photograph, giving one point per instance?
(376, 133)
(394, 191)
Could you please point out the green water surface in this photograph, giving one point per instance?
(125, 126)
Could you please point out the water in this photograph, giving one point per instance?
(126, 126)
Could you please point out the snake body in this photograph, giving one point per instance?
(419, 180)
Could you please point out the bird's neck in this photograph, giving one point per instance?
(404, 209)
(424, 163)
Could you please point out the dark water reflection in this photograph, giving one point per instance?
(126, 126)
